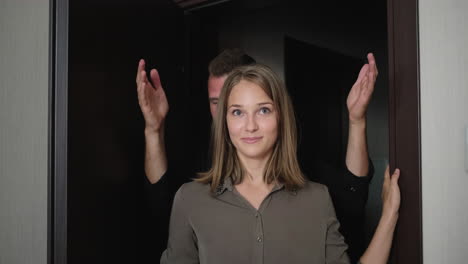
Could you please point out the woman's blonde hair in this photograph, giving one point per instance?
(282, 165)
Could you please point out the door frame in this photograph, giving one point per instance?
(404, 128)
(57, 242)
(405, 125)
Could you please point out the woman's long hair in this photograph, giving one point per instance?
(282, 165)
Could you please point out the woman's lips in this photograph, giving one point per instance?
(251, 140)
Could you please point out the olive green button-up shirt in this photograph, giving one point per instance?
(289, 227)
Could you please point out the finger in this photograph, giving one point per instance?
(143, 96)
(138, 88)
(141, 67)
(372, 74)
(371, 58)
(141, 90)
(396, 176)
(141, 80)
(372, 63)
(139, 85)
(368, 89)
(361, 82)
(370, 85)
(143, 87)
(355, 91)
(363, 72)
(376, 69)
(365, 82)
(363, 91)
(155, 78)
(144, 79)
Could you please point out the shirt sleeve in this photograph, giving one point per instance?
(158, 199)
(357, 185)
(160, 194)
(336, 248)
(182, 245)
(341, 179)
(350, 204)
(349, 195)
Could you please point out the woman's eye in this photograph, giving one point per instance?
(236, 112)
(265, 110)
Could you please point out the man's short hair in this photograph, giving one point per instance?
(228, 60)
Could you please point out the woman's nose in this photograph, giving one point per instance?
(252, 124)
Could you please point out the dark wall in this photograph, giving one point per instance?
(108, 217)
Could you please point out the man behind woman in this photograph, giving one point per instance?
(249, 155)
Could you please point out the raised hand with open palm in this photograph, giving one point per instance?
(361, 92)
(151, 98)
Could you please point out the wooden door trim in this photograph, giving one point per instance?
(58, 133)
(404, 125)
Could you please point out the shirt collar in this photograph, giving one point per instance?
(227, 185)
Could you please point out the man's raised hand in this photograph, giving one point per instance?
(151, 98)
(361, 92)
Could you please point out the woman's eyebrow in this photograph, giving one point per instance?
(235, 105)
(265, 103)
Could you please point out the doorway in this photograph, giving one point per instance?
(105, 139)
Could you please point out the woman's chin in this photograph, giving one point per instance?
(255, 154)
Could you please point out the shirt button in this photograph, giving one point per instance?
(256, 215)
(259, 239)
(352, 189)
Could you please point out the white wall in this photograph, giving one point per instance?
(444, 115)
(24, 29)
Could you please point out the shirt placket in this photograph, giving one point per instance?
(259, 244)
(258, 235)
(258, 238)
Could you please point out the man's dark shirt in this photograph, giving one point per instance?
(349, 194)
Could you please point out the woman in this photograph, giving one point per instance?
(254, 204)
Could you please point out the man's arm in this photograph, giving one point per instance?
(357, 157)
(380, 245)
(154, 106)
(155, 156)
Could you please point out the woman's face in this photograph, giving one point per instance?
(252, 121)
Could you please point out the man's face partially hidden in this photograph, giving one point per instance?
(215, 84)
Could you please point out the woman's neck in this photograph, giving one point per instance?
(254, 170)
